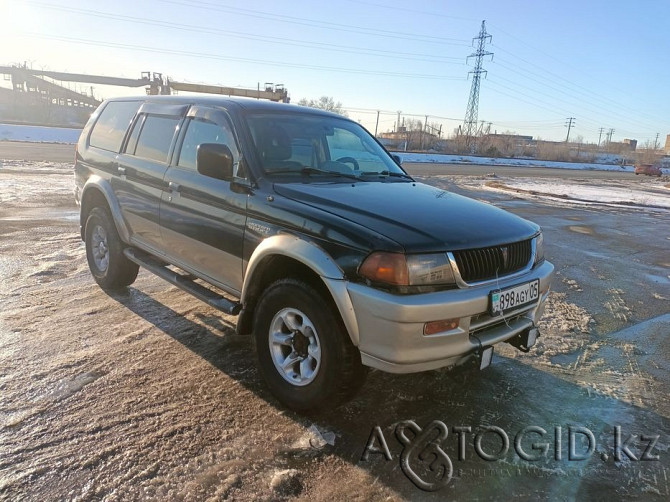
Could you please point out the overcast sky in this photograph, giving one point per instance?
(602, 62)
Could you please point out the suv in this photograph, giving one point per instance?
(301, 223)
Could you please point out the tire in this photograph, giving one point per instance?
(294, 322)
(104, 251)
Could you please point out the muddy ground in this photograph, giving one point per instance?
(150, 395)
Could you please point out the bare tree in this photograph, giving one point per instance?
(649, 153)
(324, 103)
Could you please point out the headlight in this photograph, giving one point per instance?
(539, 249)
(413, 270)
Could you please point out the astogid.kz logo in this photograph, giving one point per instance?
(424, 461)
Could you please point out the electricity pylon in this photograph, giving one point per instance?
(470, 123)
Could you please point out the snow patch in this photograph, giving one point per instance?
(38, 134)
(647, 195)
(435, 158)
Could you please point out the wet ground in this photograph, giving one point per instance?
(150, 395)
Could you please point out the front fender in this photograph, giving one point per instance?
(103, 186)
(313, 257)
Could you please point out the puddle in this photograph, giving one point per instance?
(67, 387)
(581, 230)
(566, 359)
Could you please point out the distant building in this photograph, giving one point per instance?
(667, 145)
(632, 144)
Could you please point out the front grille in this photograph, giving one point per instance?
(496, 261)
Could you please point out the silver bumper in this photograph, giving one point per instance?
(391, 327)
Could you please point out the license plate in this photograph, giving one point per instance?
(508, 299)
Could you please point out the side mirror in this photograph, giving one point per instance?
(397, 159)
(215, 160)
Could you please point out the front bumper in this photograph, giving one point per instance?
(390, 327)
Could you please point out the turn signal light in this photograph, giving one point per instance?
(390, 268)
(430, 328)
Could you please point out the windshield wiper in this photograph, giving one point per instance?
(315, 170)
(391, 174)
(307, 170)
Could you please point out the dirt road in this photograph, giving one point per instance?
(150, 395)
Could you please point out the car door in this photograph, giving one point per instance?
(202, 219)
(141, 167)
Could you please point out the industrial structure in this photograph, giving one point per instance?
(470, 123)
(35, 97)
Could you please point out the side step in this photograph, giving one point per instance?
(185, 282)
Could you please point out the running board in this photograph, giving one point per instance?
(185, 282)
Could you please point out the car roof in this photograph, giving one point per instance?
(250, 104)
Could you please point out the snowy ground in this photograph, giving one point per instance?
(149, 394)
(649, 195)
(38, 134)
(491, 161)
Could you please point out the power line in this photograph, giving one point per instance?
(567, 82)
(577, 101)
(316, 23)
(412, 11)
(205, 55)
(263, 38)
(570, 82)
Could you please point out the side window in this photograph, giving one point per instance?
(201, 131)
(156, 137)
(342, 141)
(110, 128)
(302, 150)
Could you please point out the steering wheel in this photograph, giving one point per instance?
(350, 160)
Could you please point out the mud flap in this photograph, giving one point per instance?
(525, 340)
(485, 358)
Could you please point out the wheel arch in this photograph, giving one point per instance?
(284, 256)
(97, 192)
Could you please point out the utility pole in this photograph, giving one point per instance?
(609, 135)
(569, 126)
(656, 145)
(377, 123)
(600, 134)
(470, 123)
(423, 133)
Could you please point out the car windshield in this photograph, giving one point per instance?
(317, 145)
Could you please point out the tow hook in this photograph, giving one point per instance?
(525, 340)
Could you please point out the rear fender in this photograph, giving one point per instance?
(103, 186)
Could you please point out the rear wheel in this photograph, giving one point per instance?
(304, 352)
(104, 251)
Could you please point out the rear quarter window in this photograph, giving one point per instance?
(110, 128)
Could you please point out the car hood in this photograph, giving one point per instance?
(419, 217)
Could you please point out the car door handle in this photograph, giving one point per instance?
(121, 170)
(174, 187)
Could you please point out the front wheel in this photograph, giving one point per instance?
(104, 251)
(304, 352)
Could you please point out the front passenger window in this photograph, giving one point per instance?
(202, 131)
(156, 137)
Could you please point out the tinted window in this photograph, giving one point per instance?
(156, 136)
(200, 131)
(287, 143)
(111, 126)
(134, 135)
